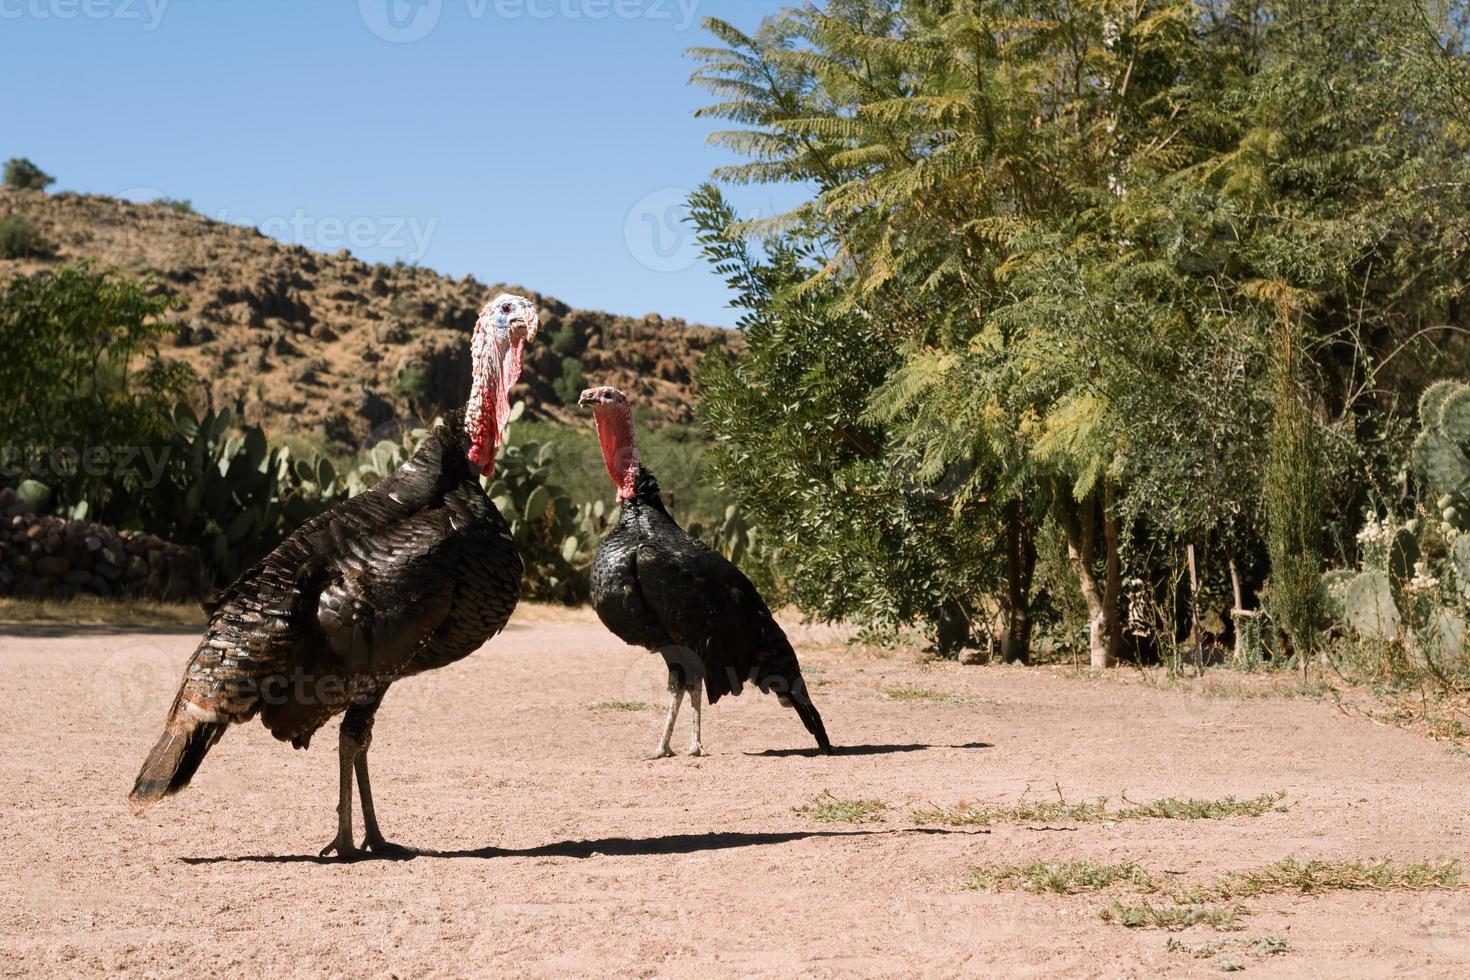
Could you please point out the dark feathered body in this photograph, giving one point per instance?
(414, 574)
(655, 586)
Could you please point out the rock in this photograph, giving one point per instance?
(52, 566)
(373, 408)
(323, 333)
(92, 542)
(392, 333)
(76, 576)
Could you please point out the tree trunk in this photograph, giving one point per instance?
(1080, 525)
(1237, 611)
(1113, 585)
(1020, 542)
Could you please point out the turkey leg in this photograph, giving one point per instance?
(374, 840)
(358, 723)
(676, 695)
(347, 752)
(696, 747)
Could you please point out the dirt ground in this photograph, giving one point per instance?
(559, 851)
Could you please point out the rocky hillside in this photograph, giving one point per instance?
(309, 344)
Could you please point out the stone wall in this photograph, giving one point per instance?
(49, 557)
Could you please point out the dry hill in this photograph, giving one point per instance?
(305, 343)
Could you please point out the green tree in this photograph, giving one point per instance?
(23, 175)
(569, 384)
(1079, 223)
(90, 391)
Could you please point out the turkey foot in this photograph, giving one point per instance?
(343, 848)
(662, 752)
(386, 848)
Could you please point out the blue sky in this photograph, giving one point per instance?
(540, 142)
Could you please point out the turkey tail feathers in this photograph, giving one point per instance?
(174, 760)
(807, 712)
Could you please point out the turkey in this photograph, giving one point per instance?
(655, 586)
(414, 574)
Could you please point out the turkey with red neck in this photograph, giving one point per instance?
(414, 574)
(655, 586)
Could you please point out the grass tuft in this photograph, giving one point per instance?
(1146, 915)
(1066, 878)
(965, 814)
(1215, 903)
(1312, 877)
(928, 696)
(616, 705)
(826, 808)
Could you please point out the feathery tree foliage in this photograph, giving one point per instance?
(76, 400)
(1067, 236)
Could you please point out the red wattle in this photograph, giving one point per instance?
(619, 453)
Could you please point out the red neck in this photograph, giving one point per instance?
(619, 453)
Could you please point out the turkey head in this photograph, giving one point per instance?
(506, 325)
(614, 417)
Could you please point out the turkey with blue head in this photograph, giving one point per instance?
(656, 586)
(414, 574)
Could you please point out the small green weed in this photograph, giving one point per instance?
(968, 814)
(826, 808)
(616, 705)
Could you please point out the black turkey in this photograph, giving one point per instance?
(655, 586)
(414, 574)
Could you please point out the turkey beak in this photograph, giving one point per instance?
(519, 330)
(587, 399)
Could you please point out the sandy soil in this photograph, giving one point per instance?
(560, 851)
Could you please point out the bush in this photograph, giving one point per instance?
(573, 379)
(90, 390)
(174, 204)
(564, 341)
(412, 384)
(23, 175)
(20, 239)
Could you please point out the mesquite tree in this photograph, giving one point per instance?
(1072, 229)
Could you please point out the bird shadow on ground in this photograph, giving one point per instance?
(604, 847)
(867, 749)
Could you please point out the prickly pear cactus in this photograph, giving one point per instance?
(1369, 607)
(1442, 450)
